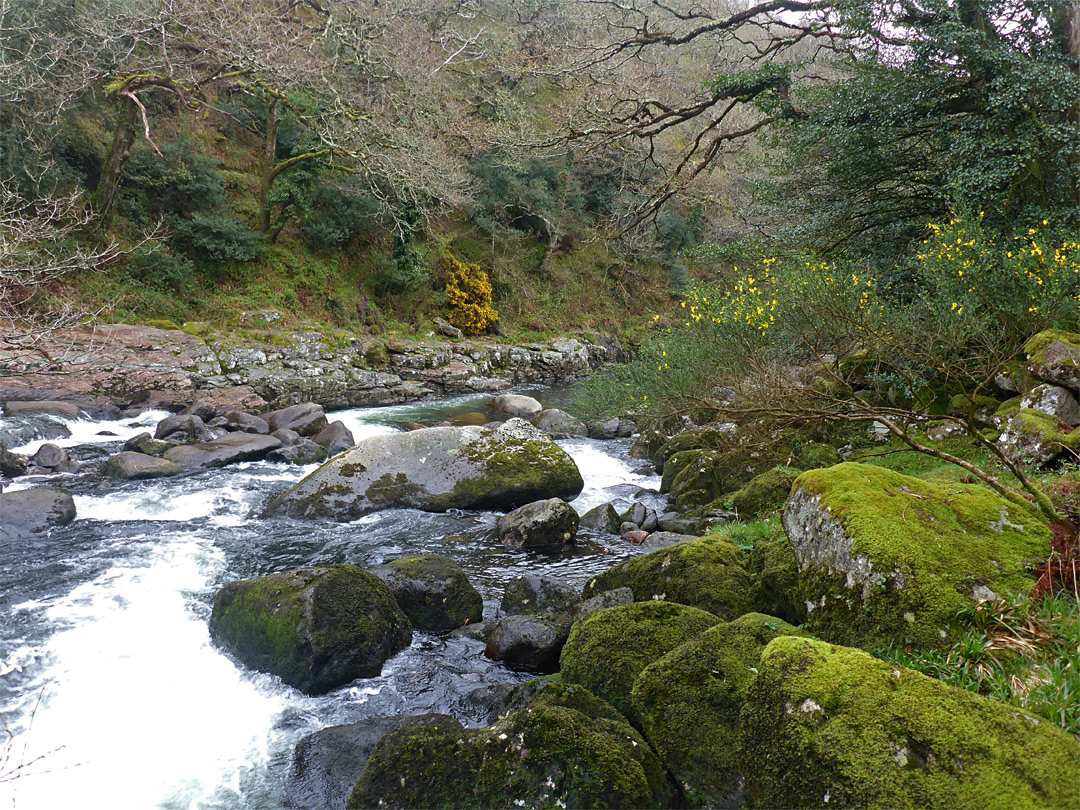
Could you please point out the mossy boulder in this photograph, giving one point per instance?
(885, 557)
(711, 438)
(559, 424)
(764, 492)
(1055, 401)
(535, 593)
(774, 578)
(1053, 356)
(688, 702)
(1037, 437)
(433, 591)
(315, 628)
(827, 726)
(813, 455)
(705, 573)
(608, 649)
(500, 466)
(980, 408)
(565, 749)
(529, 643)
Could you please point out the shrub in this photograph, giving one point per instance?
(468, 292)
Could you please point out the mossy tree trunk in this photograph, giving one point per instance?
(111, 172)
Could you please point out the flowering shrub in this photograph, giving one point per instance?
(468, 292)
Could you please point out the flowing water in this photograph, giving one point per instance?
(111, 692)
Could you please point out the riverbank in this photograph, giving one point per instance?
(120, 367)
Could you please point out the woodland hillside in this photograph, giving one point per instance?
(172, 160)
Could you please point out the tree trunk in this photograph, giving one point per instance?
(266, 182)
(113, 170)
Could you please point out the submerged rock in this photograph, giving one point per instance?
(886, 557)
(607, 650)
(705, 573)
(547, 524)
(433, 591)
(827, 726)
(500, 466)
(565, 749)
(315, 628)
(34, 511)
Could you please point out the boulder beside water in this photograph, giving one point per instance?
(315, 628)
(499, 466)
(433, 591)
(33, 511)
(547, 524)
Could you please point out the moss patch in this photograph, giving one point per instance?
(689, 701)
(832, 726)
(608, 649)
(705, 573)
(764, 492)
(887, 557)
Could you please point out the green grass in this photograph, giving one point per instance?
(1020, 651)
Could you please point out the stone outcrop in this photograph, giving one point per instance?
(30, 512)
(146, 367)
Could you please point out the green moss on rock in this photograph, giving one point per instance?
(433, 591)
(315, 628)
(688, 702)
(608, 649)
(774, 578)
(706, 573)
(827, 726)
(565, 749)
(885, 557)
(764, 492)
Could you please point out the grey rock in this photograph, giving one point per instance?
(550, 523)
(247, 423)
(130, 466)
(30, 512)
(307, 418)
(517, 405)
(50, 456)
(325, 765)
(448, 329)
(11, 464)
(202, 409)
(228, 449)
(286, 436)
(184, 428)
(535, 593)
(1054, 401)
(146, 444)
(658, 540)
(335, 437)
(651, 522)
(608, 599)
(301, 452)
(602, 518)
(62, 409)
(529, 643)
(498, 466)
(559, 424)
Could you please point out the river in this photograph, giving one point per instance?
(111, 692)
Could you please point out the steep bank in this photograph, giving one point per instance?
(124, 366)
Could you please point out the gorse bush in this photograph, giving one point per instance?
(468, 291)
(972, 301)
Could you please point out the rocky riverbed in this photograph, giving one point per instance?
(131, 366)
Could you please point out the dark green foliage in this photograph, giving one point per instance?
(337, 215)
(213, 238)
(176, 184)
(974, 111)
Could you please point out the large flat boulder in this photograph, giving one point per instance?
(131, 466)
(827, 726)
(500, 466)
(228, 449)
(885, 557)
(315, 628)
